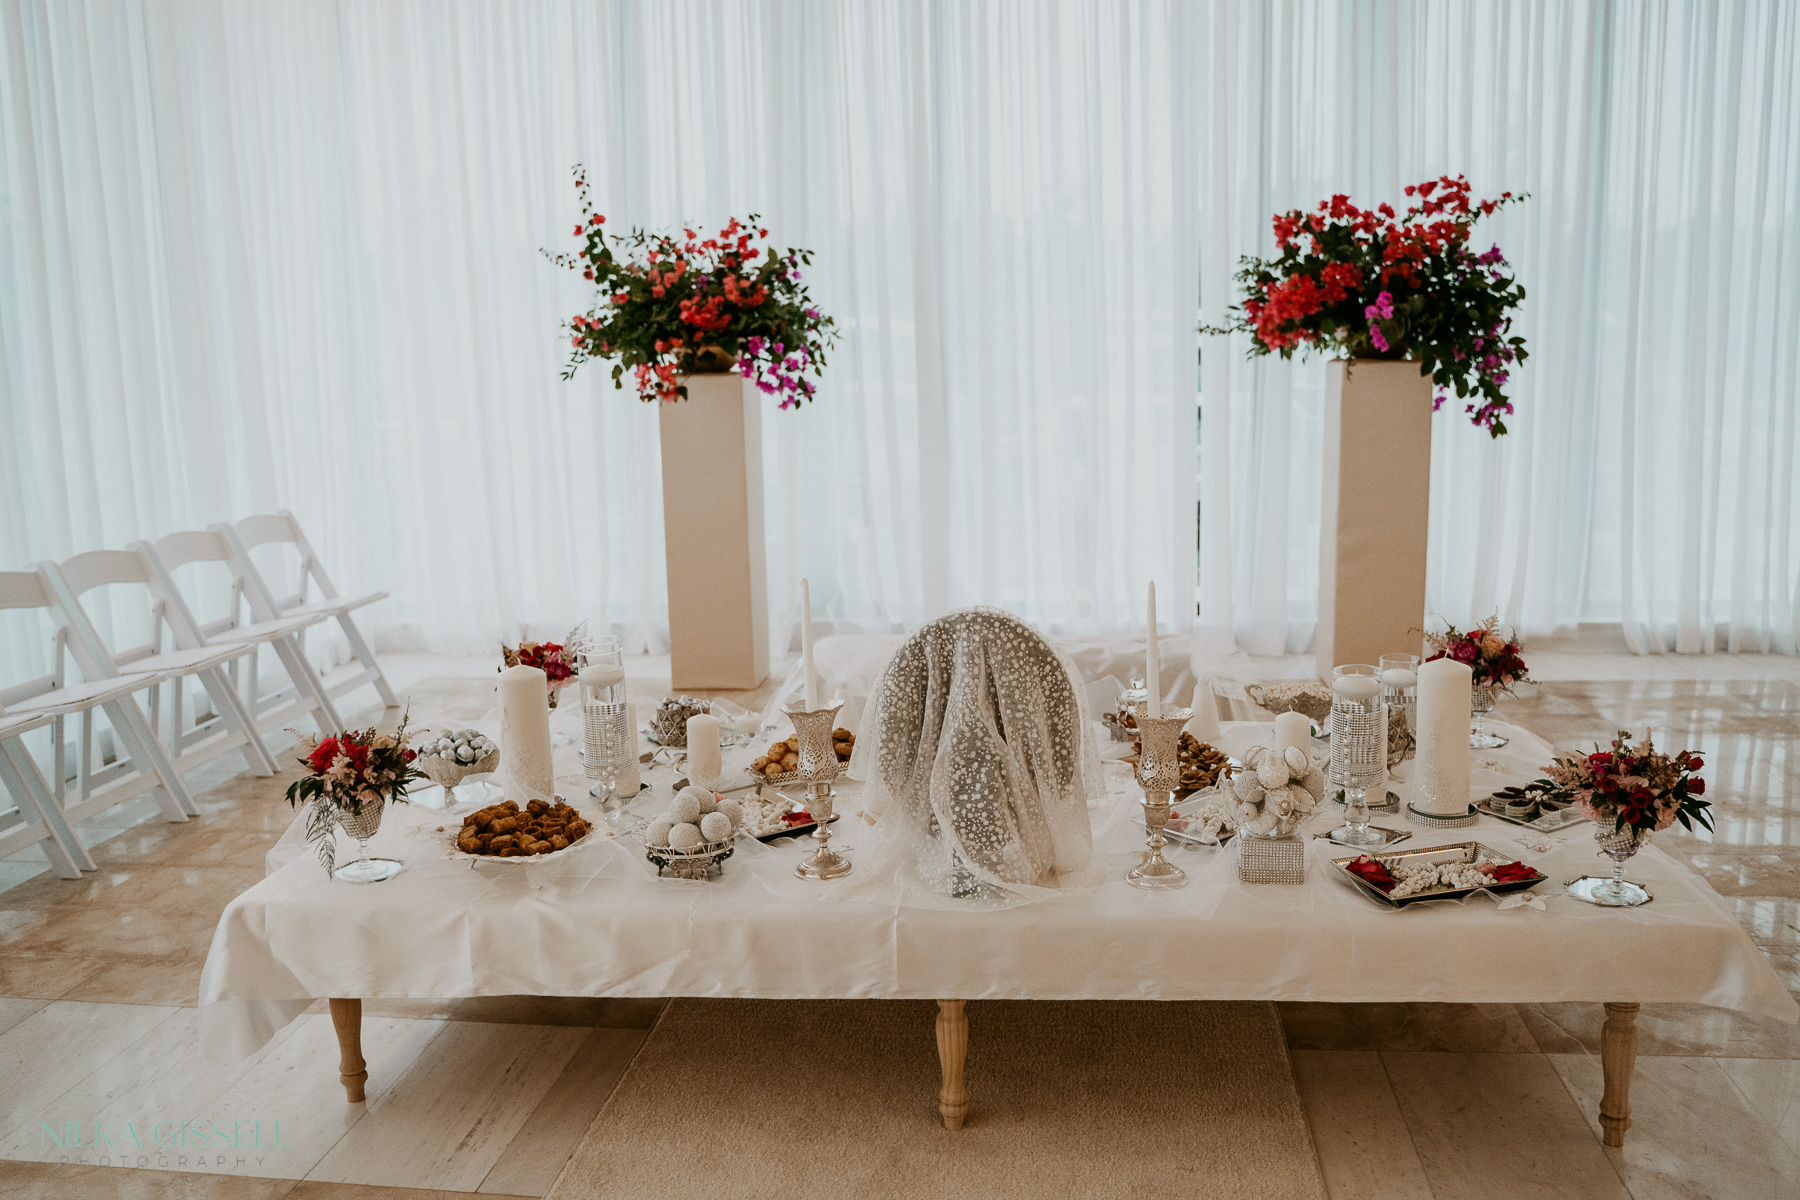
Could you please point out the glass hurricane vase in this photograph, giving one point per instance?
(362, 825)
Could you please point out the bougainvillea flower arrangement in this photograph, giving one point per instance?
(346, 772)
(667, 306)
(1491, 656)
(1372, 284)
(555, 659)
(1633, 785)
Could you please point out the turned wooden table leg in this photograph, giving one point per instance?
(1618, 1054)
(346, 1018)
(953, 1047)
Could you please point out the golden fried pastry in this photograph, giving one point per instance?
(506, 831)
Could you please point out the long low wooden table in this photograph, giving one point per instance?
(599, 924)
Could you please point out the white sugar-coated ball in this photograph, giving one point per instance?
(734, 810)
(1280, 800)
(684, 836)
(704, 801)
(465, 755)
(715, 826)
(1272, 772)
(1297, 761)
(1244, 785)
(658, 833)
(685, 810)
(1314, 782)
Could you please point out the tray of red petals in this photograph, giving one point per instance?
(797, 822)
(1437, 873)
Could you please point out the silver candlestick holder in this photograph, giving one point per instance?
(818, 766)
(1159, 774)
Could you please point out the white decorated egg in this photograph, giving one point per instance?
(734, 810)
(715, 826)
(684, 836)
(685, 809)
(1314, 782)
(1272, 772)
(658, 833)
(1297, 761)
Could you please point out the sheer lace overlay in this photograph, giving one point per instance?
(975, 753)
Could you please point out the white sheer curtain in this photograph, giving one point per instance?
(1649, 476)
(285, 253)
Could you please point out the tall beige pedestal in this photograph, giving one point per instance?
(1377, 491)
(713, 529)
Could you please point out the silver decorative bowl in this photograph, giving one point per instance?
(702, 862)
(447, 772)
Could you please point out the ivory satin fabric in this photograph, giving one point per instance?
(598, 923)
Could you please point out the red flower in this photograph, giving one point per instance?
(323, 755)
(1696, 786)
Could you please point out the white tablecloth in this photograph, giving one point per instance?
(597, 922)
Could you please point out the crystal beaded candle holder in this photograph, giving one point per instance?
(818, 766)
(1159, 774)
(1359, 753)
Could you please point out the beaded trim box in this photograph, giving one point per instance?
(1434, 821)
(1271, 860)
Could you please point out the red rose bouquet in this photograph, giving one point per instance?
(347, 772)
(673, 306)
(1636, 786)
(1492, 657)
(1373, 284)
(555, 659)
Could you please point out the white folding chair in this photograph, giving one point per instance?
(36, 817)
(274, 710)
(281, 528)
(138, 765)
(189, 747)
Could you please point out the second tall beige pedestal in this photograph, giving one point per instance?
(1377, 491)
(712, 486)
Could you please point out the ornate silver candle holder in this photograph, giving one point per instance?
(1159, 774)
(818, 767)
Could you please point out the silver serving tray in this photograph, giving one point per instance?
(1457, 852)
(1543, 822)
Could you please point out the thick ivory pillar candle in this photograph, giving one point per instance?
(1153, 661)
(630, 782)
(806, 646)
(703, 759)
(1204, 724)
(1293, 729)
(1442, 768)
(525, 771)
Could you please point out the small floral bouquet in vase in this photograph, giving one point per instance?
(1630, 792)
(555, 659)
(350, 778)
(668, 307)
(1494, 666)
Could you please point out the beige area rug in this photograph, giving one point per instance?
(838, 1098)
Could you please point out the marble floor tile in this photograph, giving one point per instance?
(44, 977)
(13, 1011)
(1665, 1029)
(53, 1181)
(1364, 1148)
(1771, 1087)
(446, 1122)
(1491, 1028)
(535, 1156)
(293, 1090)
(139, 1097)
(61, 1044)
(1479, 1118)
(1683, 1111)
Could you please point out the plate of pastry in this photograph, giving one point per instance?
(505, 832)
(780, 763)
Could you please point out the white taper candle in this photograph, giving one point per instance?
(1153, 660)
(806, 646)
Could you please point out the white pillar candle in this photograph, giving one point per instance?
(630, 783)
(525, 770)
(1293, 729)
(1442, 768)
(1153, 660)
(1204, 724)
(703, 759)
(806, 646)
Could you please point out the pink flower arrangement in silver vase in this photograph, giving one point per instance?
(1633, 785)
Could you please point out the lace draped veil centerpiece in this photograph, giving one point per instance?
(976, 755)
